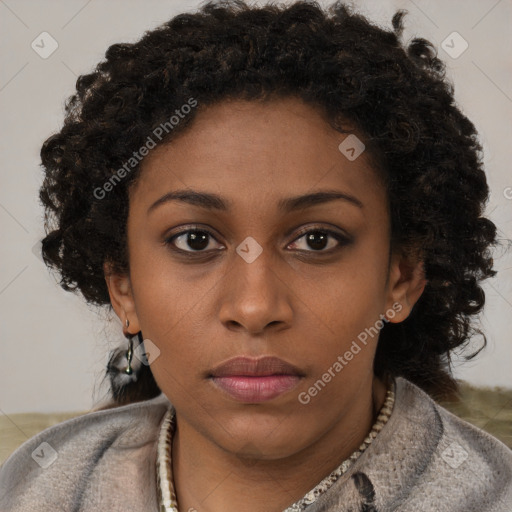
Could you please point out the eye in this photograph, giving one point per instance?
(200, 241)
(318, 240)
(196, 239)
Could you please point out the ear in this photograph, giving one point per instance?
(121, 298)
(406, 282)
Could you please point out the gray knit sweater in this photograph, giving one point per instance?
(425, 459)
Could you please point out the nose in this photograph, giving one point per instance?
(256, 296)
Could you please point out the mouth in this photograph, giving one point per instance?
(252, 380)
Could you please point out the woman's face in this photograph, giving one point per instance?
(233, 272)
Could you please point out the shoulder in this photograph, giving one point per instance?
(425, 459)
(491, 450)
(78, 458)
(458, 466)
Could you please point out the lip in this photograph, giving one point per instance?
(252, 380)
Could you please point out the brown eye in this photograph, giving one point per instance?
(192, 240)
(320, 240)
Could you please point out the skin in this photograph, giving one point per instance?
(299, 302)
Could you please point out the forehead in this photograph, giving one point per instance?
(260, 151)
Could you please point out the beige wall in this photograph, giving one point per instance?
(53, 348)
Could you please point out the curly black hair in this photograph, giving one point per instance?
(397, 96)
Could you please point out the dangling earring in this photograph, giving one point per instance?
(130, 378)
(129, 355)
(123, 368)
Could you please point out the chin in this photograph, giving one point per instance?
(262, 443)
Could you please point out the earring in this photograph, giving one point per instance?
(123, 369)
(129, 353)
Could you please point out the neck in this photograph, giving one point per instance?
(209, 479)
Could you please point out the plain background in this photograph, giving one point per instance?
(53, 347)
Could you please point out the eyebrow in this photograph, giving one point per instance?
(215, 202)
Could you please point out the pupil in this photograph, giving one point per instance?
(197, 240)
(317, 240)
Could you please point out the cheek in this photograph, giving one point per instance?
(345, 308)
(351, 293)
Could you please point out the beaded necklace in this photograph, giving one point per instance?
(169, 503)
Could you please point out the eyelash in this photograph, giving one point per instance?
(342, 240)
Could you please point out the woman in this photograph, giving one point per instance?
(283, 206)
